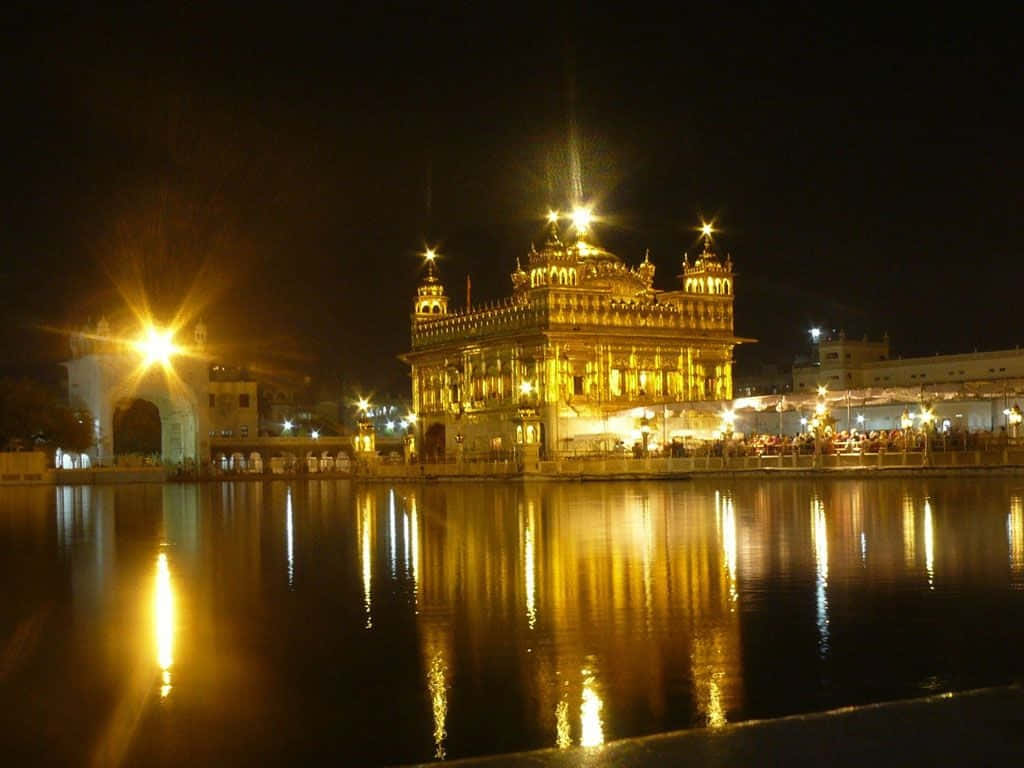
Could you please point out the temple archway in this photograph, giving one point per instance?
(137, 428)
(433, 442)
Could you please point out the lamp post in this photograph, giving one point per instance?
(1014, 416)
(906, 422)
(779, 408)
(821, 423)
(727, 427)
(927, 422)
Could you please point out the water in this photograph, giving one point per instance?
(265, 622)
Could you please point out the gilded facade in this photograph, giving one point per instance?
(582, 338)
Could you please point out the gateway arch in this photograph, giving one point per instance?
(107, 373)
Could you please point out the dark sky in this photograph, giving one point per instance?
(865, 168)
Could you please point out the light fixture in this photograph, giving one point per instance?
(582, 217)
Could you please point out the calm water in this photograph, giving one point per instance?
(288, 621)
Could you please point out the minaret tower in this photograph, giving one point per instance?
(708, 277)
(431, 300)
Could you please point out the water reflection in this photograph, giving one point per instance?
(1015, 537)
(819, 528)
(591, 728)
(289, 534)
(365, 534)
(530, 567)
(163, 614)
(500, 616)
(563, 736)
(929, 544)
(909, 532)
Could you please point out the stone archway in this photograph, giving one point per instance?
(433, 442)
(136, 428)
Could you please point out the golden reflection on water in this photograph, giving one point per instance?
(819, 527)
(163, 614)
(909, 532)
(414, 524)
(727, 526)
(437, 686)
(1015, 535)
(591, 728)
(289, 532)
(530, 567)
(365, 532)
(563, 737)
(929, 544)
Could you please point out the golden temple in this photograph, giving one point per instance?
(582, 340)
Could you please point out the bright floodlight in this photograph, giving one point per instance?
(729, 417)
(430, 254)
(706, 229)
(315, 434)
(390, 425)
(287, 425)
(860, 418)
(157, 345)
(410, 417)
(526, 387)
(815, 334)
(552, 217)
(581, 218)
(363, 404)
(822, 390)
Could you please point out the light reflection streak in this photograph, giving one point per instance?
(1015, 534)
(909, 532)
(929, 544)
(591, 728)
(863, 547)
(391, 510)
(563, 739)
(289, 538)
(716, 711)
(439, 702)
(530, 567)
(365, 557)
(415, 533)
(648, 550)
(405, 539)
(727, 523)
(820, 540)
(164, 621)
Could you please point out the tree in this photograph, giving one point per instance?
(31, 417)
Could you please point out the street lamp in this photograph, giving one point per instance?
(906, 422)
(1014, 416)
(815, 334)
(315, 434)
(287, 426)
(927, 422)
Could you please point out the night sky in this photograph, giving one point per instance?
(284, 170)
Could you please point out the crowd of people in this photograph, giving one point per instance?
(846, 441)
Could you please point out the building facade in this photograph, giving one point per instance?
(863, 364)
(582, 339)
(196, 400)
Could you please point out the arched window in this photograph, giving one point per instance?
(700, 283)
(725, 284)
(572, 277)
(436, 309)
